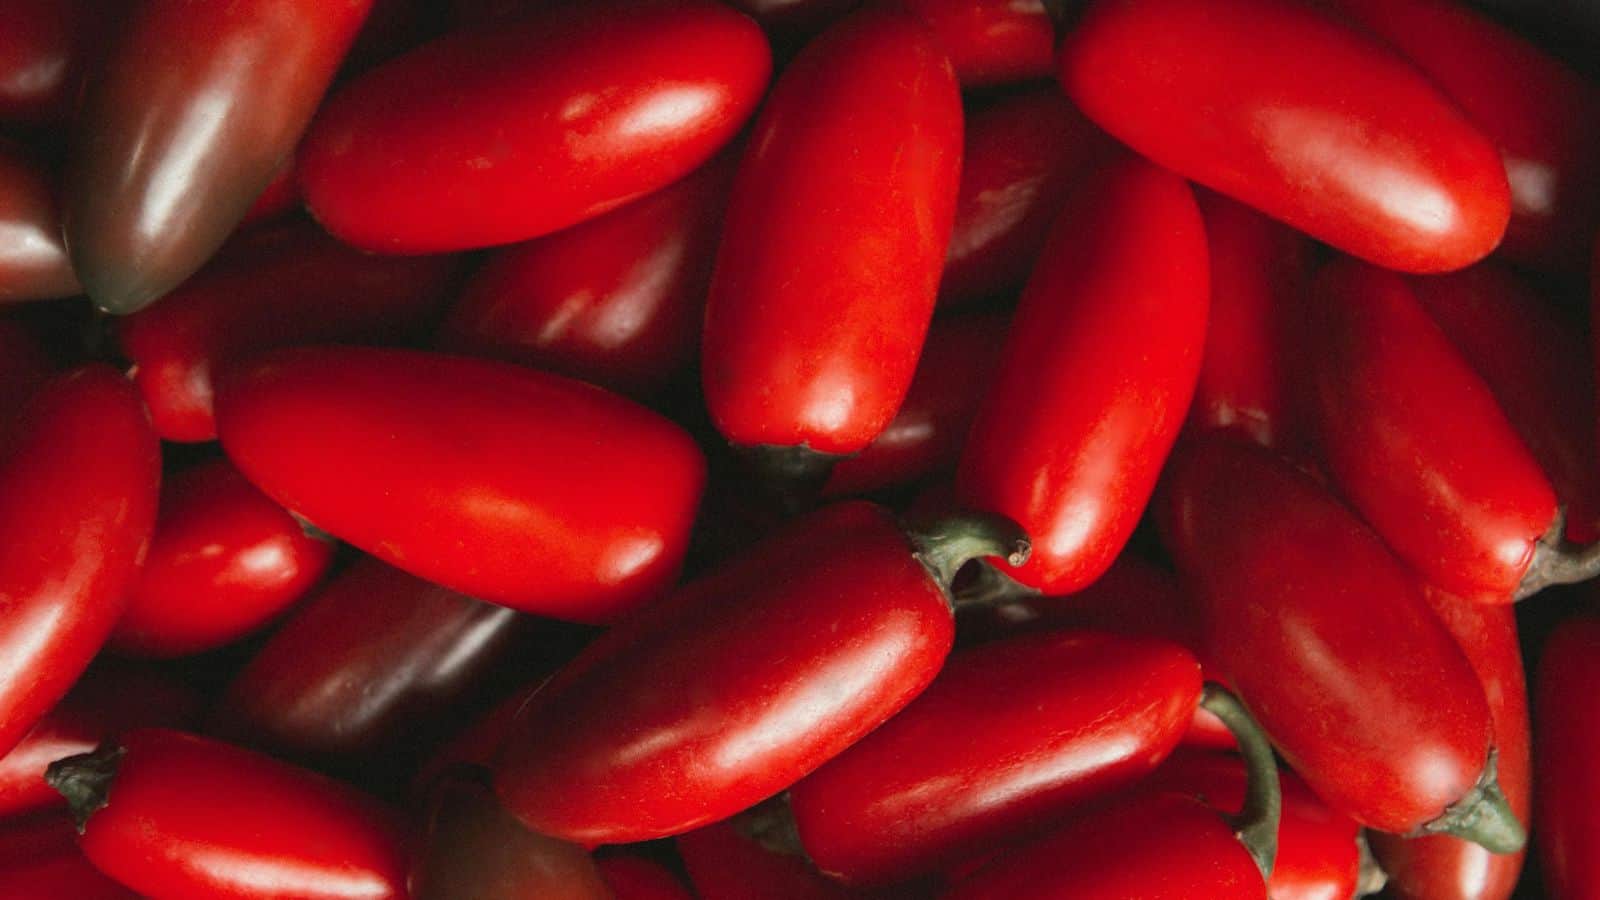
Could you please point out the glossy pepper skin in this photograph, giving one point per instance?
(1297, 596)
(1567, 740)
(1313, 122)
(42, 53)
(926, 435)
(183, 126)
(1537, 365)
(1021, 158)
(826, 276)
(503, 133)
(616, 301)
(990, 42)
(1258, 272)
(1544, 117)
(39, 858)
(1050, 720)
(79, 478)
(225, 560)
(33, 259)
(187, 816)
(106, 701)
(1416, 441)
(1448, 868)
(280, 286)
(514, 486)
(733, 687)
(1096, 375)
(373, 660)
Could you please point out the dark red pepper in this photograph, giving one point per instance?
(990, 42)
(39, 858)
(637, 878)
(1566, 745)
(33, 258)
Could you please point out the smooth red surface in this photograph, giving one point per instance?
(958, 361)
(275, 287)
(1155, 847)
(374, 659)
(1096, 375)
(1537, 364)
(224, 561)
(1544, 117)
(617, 301)
(1416, 441)
(636, 878)
(79, 478)
(1317, 854)
(1449, 868)
(1022, 156)
(990, 42)
(1047, 722)
(517, 129)
(40, 860)
(192, 817)
(1325, 637)
(724, 864)
(1567, 743)
(834, 238)
(1258, 274)
(1281, 106)
(732, 688)
(40, 54)
(106, 701)
(514, 486)
(33, 258)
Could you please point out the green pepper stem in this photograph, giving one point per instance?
(1256, 823)
(1483, 816)
(85, 780)
(945, 544)
(988, 586)
(1557, 560)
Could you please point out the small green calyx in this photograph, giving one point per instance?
(85, 780)
(1483, 816)
(945, 544)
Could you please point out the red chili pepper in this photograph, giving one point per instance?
(375, 661)
(1416, 441)
(740, 683)
(224, 561)
(39, 859)
(106, 701)
(79, 476)
(171, 814)
(726, 864)
(515, 486)
(636, 878)
(1447, 868)
(33, 259)
(274, 287)
(990, 42)
(508, 133)
(182, 128)
(1022, 156)
(1049, 721)
(44, 50)
(926, 435)
(833, 241)
(616, 301)
(1544, 117)
(1281, 106)
(1096, 376)
(1567, 745)
(1329, 642)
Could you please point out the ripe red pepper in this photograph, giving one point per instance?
(990, 42)
(1544, 117)
(515, 486)
(39, 858)
(740, 683)
(1096, 376)
(106, 701)
(833, 241)
(726, 864)
(1050, 721)
(1330, 643)
(274, 287)
(1022, 156)
(616, 301)
(507, 133)
(1285, 108)
(183, 126)
(926, 435)
(33, 259)
(636, 878)
(171, 814)
(1538, 367)
(1416, 441)
(45, 49)
(79, 476)
(1448, 868)
(224, 561)
(374, 661)
(1247, 377)
(1567, 745)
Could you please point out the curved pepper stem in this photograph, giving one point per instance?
(1483, 816)
(1257, 823)
(1557, 560)
(945, 544)
(85, 780)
